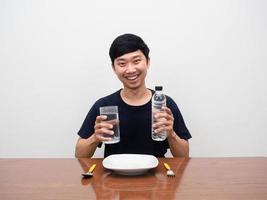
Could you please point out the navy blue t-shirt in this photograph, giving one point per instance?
(135, 127)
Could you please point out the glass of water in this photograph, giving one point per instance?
(113, 118)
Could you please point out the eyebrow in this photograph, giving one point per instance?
(123, 59)
(138, 56)
(120, 59)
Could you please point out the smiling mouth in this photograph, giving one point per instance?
(132, 78)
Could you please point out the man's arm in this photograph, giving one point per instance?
(86, 147)
(179, 147)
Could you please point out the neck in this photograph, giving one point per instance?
(136, 97)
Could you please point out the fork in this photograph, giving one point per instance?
(90, 172)
(170, 173)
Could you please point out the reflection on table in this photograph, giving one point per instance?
(196, 178)
(152, 185)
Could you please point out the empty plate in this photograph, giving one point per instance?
(130, 164)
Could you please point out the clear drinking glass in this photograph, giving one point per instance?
(113, 118)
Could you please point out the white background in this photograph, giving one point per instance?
(210, 56)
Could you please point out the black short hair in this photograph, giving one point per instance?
(127, 43)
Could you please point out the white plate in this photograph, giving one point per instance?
(130, 164)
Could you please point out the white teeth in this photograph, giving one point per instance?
(132, 77)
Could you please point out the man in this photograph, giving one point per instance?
(130, 61)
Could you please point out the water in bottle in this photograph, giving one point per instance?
(158, 100)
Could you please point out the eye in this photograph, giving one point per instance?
(136, 61)
(121, 64)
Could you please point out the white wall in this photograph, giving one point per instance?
(210, 56)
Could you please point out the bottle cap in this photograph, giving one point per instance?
(158, 88)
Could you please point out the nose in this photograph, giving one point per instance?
(130, 68)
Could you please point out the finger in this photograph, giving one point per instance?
(113, 121)
(100, 118)
(166, 109)
(162, 124)
(103, 125)
(103, 139)
(165, 115)
(163, 129)
(102, 131)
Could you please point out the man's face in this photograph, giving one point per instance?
(131, 69)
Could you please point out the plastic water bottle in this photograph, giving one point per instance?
(158, 100)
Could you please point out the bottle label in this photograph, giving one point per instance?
(158, 104)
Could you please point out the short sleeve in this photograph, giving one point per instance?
(87, 128)
(179, 124)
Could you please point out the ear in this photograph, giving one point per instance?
(113, 67)
(148, 63)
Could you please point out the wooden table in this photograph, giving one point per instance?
(196, 178)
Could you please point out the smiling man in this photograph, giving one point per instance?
(130, 61)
